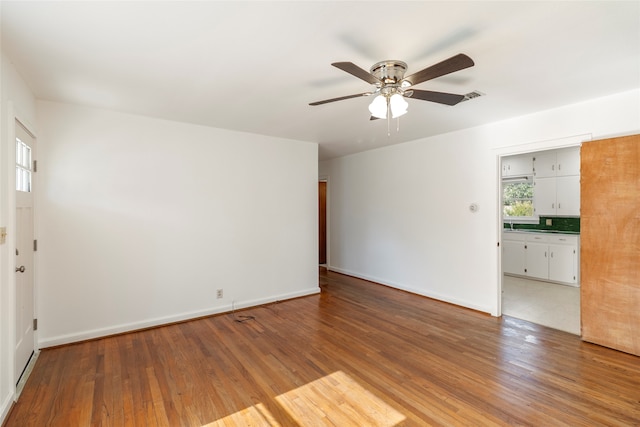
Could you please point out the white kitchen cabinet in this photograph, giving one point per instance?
(557, 182)
(544, 164)
(559, 196)
(513, 256)
(541, 256)
(568, 161)
(563, 263)
(537, 260)
(561, 162)
(544, 196)
(520, 165)
(568, 195)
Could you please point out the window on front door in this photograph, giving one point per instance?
(23, 166)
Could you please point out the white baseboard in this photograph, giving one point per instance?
(6, 407)
(130, 327)
(400, 286)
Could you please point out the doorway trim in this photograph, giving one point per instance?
(528, 147)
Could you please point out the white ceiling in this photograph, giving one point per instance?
(255, 66)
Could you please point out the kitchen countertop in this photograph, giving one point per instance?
(521, 230)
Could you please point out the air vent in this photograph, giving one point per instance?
(474, 94)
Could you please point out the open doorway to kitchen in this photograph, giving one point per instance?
(540, 216)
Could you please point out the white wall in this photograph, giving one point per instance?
(16, 100)
(141, 220)
(400, 215)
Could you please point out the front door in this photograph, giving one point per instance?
(25, 145)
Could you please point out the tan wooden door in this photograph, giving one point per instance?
(610, 243)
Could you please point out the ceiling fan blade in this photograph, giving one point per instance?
(354, 70)
(455, 63)
(326, 101)
(439, 97)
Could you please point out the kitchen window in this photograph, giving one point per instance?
(517, 198)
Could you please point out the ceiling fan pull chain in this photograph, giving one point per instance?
(388, 118)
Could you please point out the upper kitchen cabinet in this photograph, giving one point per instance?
(557, 182)
(568, 163)
(544, 164)
(520, 165)
(562, 162)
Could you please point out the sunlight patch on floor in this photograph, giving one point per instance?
(256, 415)
(333, 400)
(337, 399)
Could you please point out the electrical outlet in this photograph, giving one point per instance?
(549, 221)
(219, 293)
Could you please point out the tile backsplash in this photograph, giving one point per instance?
(558, 224)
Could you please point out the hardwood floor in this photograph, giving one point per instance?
(357, 354)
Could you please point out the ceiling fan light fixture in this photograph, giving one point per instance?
(378, 107)
(398, 105)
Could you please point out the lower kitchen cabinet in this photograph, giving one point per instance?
(537, 260)
(563, 263)
(513, 256)
(551, 257)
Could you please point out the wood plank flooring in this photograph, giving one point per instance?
(358, 354)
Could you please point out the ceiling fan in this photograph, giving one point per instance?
(391, 87)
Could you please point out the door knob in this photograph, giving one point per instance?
(20, 269)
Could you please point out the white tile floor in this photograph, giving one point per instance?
(549, 304)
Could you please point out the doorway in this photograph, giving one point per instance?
(322, 223)
(25, 145)
(532, 288)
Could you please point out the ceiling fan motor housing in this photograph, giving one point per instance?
(389, 72)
